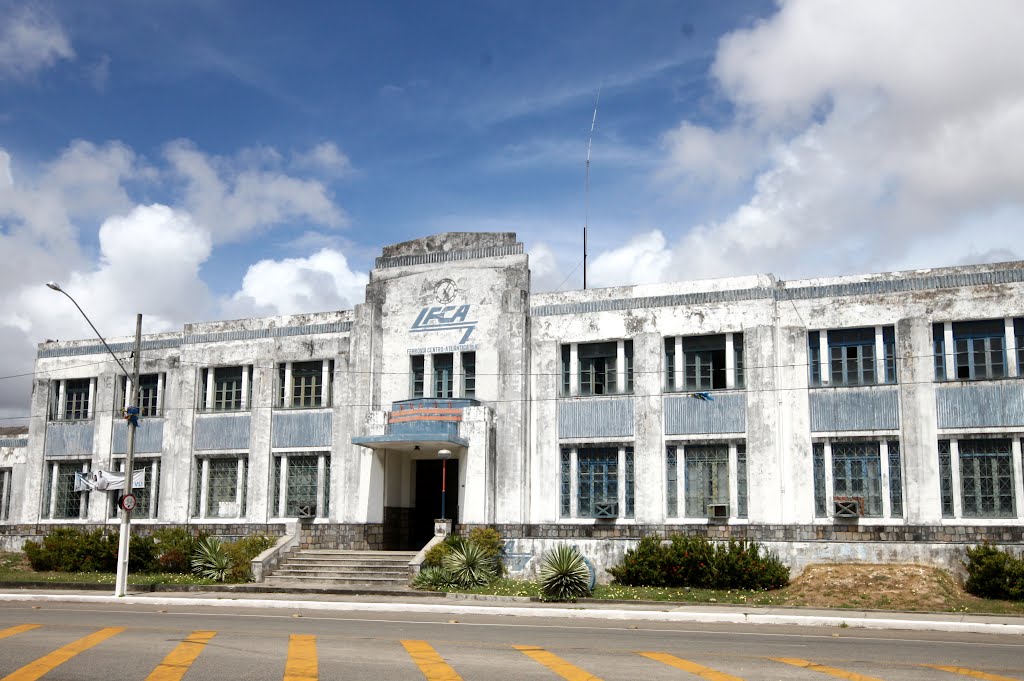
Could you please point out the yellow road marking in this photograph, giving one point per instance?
(11, 631)
(692, 667)
(813, 666)
(47, 663)
(556, 664)
(181, 658)
(432, 665)
(302, 660)
(970, 672)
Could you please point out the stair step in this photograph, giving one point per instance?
(342, 567)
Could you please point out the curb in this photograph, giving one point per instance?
(575, 613)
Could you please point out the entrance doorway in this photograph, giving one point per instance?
(428, 498)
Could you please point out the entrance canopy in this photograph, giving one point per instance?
(422, 423)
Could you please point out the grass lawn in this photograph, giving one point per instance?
(14, 567)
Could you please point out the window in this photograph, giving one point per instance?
(854, 356)
(444, 375)
(226, 388)
(5, 493)
(416, 375)
(979, 349)
(939, 349)
(946, 480)
(707, 477)
(852, 471)
(1018, 335)
(220, 488)
(986, 478)
(304, 385)
(150, 395)
(71, 399)
(895, 481)
(672, 482)
(60, 500)
(301, 484)
(469, 374)
(741, 481)
(703, 362)
(595, 474)
(146, 497)
(598, 368)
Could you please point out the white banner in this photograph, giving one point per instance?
(106, 481)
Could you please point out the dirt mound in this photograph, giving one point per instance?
(883, 587)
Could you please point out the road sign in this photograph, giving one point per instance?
(128, 502)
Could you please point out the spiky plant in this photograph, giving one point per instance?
(211, 560)
(433, 579)
(470, 565)
(564, 575)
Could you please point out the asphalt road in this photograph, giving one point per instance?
(82, 642)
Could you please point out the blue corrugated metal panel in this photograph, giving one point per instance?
(116, 348)
(980, 405)
(838, 409)
(727, 413)
(14, 442)
(70, 438)
(595, 417)
(447, 256)
(274, 332)
(149, 437)
(615, 304)
(302, 428)
(216, 431)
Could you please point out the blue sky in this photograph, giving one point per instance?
(228, 159)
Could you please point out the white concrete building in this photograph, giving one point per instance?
(876, 417)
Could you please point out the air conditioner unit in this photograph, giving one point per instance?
(846, 508)
(718, 511)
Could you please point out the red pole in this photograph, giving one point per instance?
(444, 479)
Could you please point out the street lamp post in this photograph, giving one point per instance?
(444, 455)
(121, 579)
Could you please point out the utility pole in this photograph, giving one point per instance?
(124, 538)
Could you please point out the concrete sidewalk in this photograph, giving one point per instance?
(408, 601)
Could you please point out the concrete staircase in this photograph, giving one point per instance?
(328, 568)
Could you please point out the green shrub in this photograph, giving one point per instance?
(994, 573)
(69, 549)
(470, 565)
(174, 547)
(211, 560)
(564, 575)
(242, 551)
(488, 539)
(433, 579)
(141, 554)
(697, 562)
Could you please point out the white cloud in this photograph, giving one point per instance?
(234, 200)
(326, 157)
(895, 127)
(712, 156)
(643, 259)
(321, 282)
(30, 41)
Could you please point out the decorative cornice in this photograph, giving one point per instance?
(447, 256)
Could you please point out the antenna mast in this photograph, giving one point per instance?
(586, 190)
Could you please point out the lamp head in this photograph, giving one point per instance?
(54, 285)
(444, 454)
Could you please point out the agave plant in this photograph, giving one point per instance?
(211, 560)
(564, 575)
(470, 565)
(433, 579)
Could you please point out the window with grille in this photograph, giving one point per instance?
(852, 357)
(670, 364)
(444, 375)
(741, 481)
(149, 395)
(707, 477)
(939, 350)
(629, 481)
(1018, 334)
(220, 490)
(60, 500)
(895, 480)
(5, 493)
(226, 388)
(297, 488)
(566, 371)
(597, 369)
(820, 498)
(857, 475)
(469, 374)
(738, 364)
(565, 483)
(979, 349)
(946, 479)
(986, 478)
(145, 497)
(304, 384)
(704, 362)
(597, 493)
(672, 482)
(416, 376)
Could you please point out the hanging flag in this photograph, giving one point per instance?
(105, 481)
(706, 396)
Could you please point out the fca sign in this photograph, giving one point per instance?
(444, 318)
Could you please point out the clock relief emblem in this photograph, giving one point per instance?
(445, 290)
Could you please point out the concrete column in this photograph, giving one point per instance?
(879, 357)
(282, 488)
(730, 366)
(62, 402)
(161, 380)
(91, 411)
(83, 499)
(457, 377)
(574, 483)
(1011, 348)
(950, 350)
(680, 368)
(325, 384)
(211, 382)
(918, 423)
(648, 429)
(734, 495)
(204, 489)
(1018, 477)
(428, 376)
(954, 464)
(830, 482)
(574, 369)
(289, 387)
(54, 467)
(245, 386)
(620, 366)
(824, 361)
(883, 461)
(321, 467)
(126, 383)
(620, 499)
(240, 487)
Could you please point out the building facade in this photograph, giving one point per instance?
(876, 417)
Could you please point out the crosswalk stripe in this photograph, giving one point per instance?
(47, 663)
(970, 672)
(11, 631)
(432, 665)
(556, 664)
(181, 658)
(692, 667)
(813, 666)
(302, 659)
